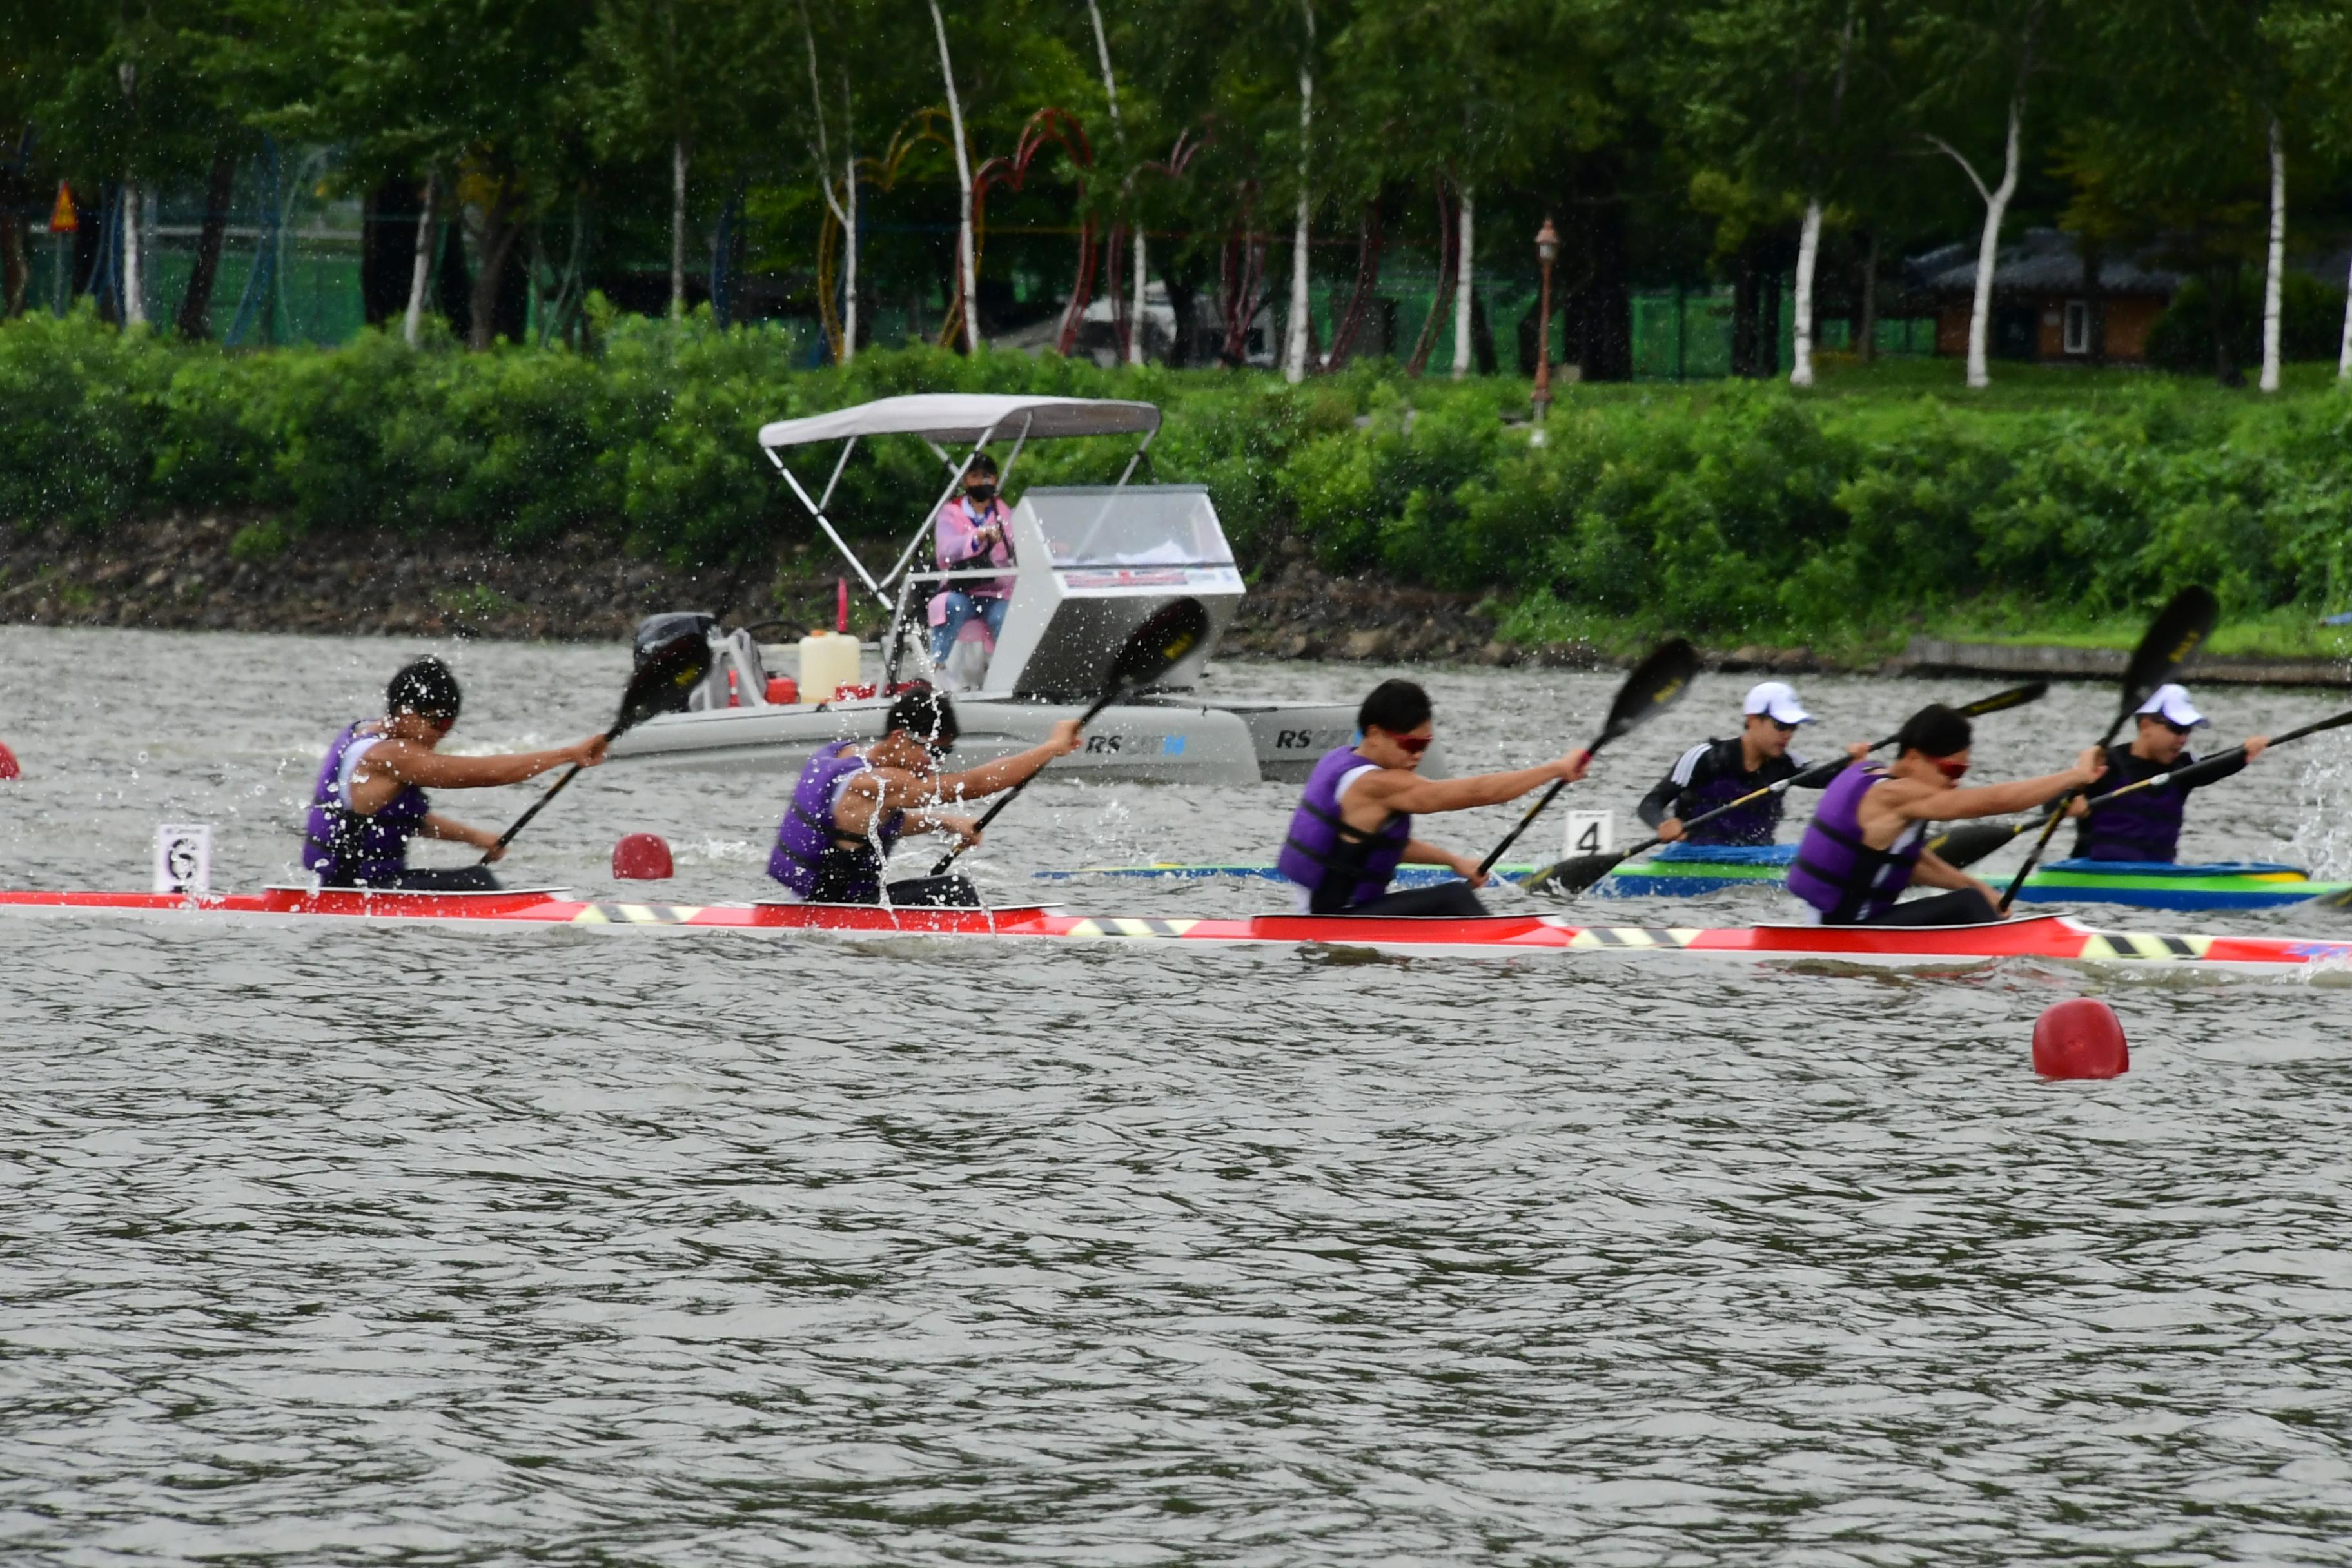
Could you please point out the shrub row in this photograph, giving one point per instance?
(1729, 511)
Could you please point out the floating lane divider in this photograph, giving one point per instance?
(2048, 937)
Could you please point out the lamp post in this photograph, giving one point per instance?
(1548, 248)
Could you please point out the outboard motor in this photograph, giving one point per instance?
(667, 627)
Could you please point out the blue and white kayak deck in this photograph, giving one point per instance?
(1683, 870)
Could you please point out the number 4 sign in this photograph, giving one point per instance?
(1591, 832)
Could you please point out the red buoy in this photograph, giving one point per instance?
(2079, 1039)
(7, 761)
(642, 857)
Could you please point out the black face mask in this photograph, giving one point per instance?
(980, 494)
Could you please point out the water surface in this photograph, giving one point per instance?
(421, 1247)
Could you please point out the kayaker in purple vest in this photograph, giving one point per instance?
(1353, 826)
(1865, 844)
(369, 800)
(1715, 773)
(2146, 823)
(969, 533)
(852, 803)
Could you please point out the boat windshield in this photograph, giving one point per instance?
(1139, 525)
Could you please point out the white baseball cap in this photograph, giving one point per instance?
(1779, 698)
(2171, 704)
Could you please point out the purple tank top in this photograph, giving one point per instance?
(1319, 850)
(346, 849)
(804, 838)
(1835, 871)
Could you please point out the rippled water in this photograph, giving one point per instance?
(420, 1246)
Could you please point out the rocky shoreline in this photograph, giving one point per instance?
(213, 572)
(235, 573)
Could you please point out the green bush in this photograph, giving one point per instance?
(1731, 511)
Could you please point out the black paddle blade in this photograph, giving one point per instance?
(1657, 683)
(1971, 842)
(665, 676)
(2002, 701)
(1161, 643)
(1564, 878)
(2180, 630)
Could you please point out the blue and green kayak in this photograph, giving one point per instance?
(1682, 871)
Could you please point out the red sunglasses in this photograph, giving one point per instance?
(1951, 770)
(1411, 745)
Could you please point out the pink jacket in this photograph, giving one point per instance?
(957, 550)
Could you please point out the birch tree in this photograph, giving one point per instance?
(2315, 41)
(1135, 220)
(967, 261)
(840, 199)
(1964, 47)
(1301, 324)
(1772, 106)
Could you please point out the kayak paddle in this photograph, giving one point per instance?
(1656, 684)
(1573, 875)
(1151, 651)
(2179, 629)
(1967, 843)
(666, 674)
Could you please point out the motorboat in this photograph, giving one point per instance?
(1090, 563)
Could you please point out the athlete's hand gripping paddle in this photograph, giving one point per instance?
(1967, 843)
(2180, 630)
(1151, 651)
(1656, 684)
(664, 677)
(1573, 875)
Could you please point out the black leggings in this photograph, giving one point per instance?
(1961, 907)
(1444, 898)
(440, 880)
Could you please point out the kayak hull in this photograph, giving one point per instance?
(2045, 937)
(1693, 873)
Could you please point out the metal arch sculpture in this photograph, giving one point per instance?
(1056, 126)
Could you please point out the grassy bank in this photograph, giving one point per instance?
(1884, 502)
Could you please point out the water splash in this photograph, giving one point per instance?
(2323, 836)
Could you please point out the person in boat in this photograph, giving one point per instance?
(970, 532)
(1866, 841)
(2146, 823)
(370, 799)
(1353, 826)
(853, 802)
(1714, 773)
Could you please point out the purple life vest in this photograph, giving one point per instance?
(1839, 874)
(2144, 824)
(346, 849)
(809, 856)
(1338, 865)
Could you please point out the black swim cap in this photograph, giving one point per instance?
(425, 688)
(925, 715)
(1934, 731)
(1397, 706)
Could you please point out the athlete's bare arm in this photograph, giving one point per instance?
(390, 764)
(1378, 797)
(1420, 852)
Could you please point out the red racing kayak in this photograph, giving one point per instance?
(1495, 936)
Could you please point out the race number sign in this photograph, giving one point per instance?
(184, 858)
(1591, 832)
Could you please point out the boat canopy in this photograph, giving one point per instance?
(957, 417)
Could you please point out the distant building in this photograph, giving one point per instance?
(2041, 304)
